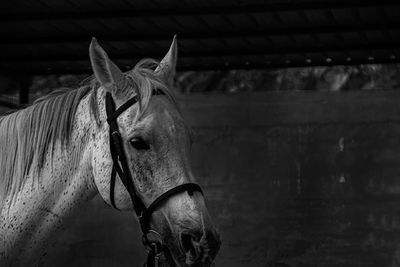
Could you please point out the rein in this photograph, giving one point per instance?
(154, 247)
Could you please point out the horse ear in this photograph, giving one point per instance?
(167, 67)
(106, 72)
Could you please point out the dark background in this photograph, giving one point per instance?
(300, 165)
(277, 185)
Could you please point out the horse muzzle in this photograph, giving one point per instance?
(200, 247)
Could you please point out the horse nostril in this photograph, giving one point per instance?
(200, 247)
(192, 248)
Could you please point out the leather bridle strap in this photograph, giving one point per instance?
(121, 167)
(189, 187)
(120, 164)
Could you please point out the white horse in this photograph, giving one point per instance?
(55, 156)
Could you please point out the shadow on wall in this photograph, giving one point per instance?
(291, 194)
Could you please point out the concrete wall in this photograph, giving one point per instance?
(277, 183)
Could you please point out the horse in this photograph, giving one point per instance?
(55, 155)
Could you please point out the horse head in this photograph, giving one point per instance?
(156, 141)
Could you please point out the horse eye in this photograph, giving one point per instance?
(139, 144)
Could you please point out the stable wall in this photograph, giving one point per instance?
(277, 184)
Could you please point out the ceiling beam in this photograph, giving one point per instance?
(167, 36)
(193, 11)
(35, 70)
(15, 56)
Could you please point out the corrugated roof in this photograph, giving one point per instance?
(47, 36)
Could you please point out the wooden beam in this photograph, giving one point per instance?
(203, 35)
(192, 11)
(42, 56)
(193, 65)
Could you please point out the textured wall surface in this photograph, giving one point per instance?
(295, 178)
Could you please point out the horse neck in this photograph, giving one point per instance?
(40, 208)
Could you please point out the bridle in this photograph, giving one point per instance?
(154, 247)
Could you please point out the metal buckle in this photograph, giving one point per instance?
(154, 247)
(152, 233)
(153, 256)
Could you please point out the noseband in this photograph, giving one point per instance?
(121, 166)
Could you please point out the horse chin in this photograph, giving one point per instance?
(173, 256)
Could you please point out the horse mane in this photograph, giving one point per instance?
(27, 135)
